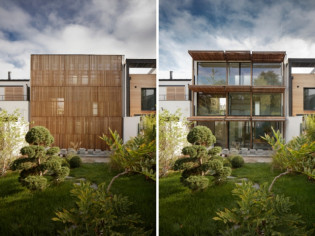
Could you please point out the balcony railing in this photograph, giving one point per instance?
(173, 97)
(13, 98)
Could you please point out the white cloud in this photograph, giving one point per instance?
(235, 25)
(124, 27)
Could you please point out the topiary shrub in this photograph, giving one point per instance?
(227, 163)
(38, 160)
(237, 161)
(35, 182)
(200, 161)
(75, 162)
(196, 183)
(215, 151)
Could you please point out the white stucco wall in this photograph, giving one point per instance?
(292, 128)
(130, 127)
(172, 106)
(10, 106)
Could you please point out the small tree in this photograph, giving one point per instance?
(138, 155)
(12, 132)
(38, 160)
(173, 130)
(201, 161)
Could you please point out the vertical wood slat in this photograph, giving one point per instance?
(63, 91)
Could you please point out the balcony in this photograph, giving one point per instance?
(173, 97)
(14, 98)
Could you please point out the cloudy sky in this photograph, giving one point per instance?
(282, 25)
(125, 27)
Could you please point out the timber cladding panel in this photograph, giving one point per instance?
(299, 82)
(137, 82)
(77, 97)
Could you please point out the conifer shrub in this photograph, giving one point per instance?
(198, 161)
(196, 182)
(237, 161)
(75, 162)
(227, 163)
(33, 182)
(215, 151)
(38, 160)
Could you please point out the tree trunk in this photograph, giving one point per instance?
(115, 177)
(277, 177)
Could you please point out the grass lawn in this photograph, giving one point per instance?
(25, 213)
(185, 213)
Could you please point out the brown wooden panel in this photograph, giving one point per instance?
(137, 82)
(14, 93)
(299, 82)
(77, 97)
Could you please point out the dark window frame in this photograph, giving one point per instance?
(142, 105)
(307, 109)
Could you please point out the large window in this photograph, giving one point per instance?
(309, 99)
(218, 129)
(211, 73)
(211, 104)
(239, 74)
(148, 99)
(239, 104)
(239, 134)
(260, 128)
(267, 104)
(267, 74)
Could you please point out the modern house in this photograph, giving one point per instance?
(239, 95)
(15, 94)
(174, 94)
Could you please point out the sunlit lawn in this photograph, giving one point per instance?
(185, 213)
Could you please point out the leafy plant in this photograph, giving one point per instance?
(38, 160)
(201, 162)
(138, 155)
(296, 156)
(173, 130)
(12, 132)
(98, 213)
(258, 212)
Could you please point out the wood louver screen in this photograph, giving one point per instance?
(13, 94)
(175, 93)
(77, 97)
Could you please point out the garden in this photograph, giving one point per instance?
(203, 193)
(42, 193)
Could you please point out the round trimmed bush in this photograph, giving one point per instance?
(237, 161)
(75, 162)
(33, 182)
(196, 183)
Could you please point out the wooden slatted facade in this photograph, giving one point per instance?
(77, 97)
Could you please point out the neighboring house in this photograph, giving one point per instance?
(174, 94)
(239, 95)
(301, 93)
(140, 93)
(15, 94)
(77, 97)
